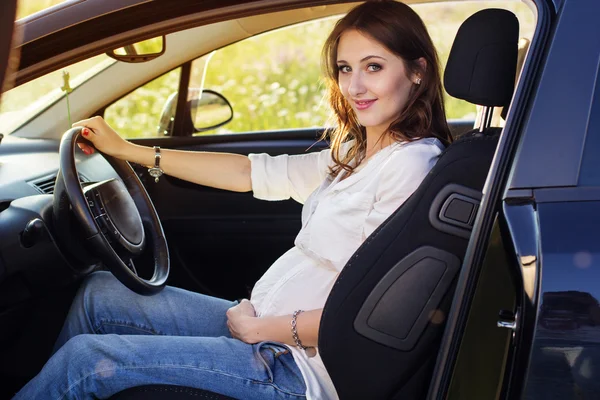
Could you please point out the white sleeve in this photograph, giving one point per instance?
(285, 176)
(400, 177)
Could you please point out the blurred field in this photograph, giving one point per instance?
(273, 80)
(28, 7)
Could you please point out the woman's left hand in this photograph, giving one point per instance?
(241, 320)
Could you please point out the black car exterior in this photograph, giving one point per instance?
(544, 228)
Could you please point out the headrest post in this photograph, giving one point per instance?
(490, 115)
(485, 120)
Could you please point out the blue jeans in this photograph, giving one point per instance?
(114, 339)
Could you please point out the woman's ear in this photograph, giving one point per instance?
(418, 75)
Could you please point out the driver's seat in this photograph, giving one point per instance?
(385, 315)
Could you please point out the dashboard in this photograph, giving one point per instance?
(31, 247)
(23, 162)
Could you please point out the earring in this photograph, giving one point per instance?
(418, 81)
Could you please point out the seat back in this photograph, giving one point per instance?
(384, 318)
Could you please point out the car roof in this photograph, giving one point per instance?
(76, 30)
(68, 13)
(81, 29)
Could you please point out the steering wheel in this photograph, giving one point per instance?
(117, 217)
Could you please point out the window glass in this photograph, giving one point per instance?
(273, 81)
(140, 113)
(24, 102)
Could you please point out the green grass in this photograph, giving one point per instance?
(138, 114)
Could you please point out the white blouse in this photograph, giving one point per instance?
(337, 216)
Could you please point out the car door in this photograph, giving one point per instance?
(526, 314)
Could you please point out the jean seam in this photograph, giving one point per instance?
(125, 324)
(99, 372)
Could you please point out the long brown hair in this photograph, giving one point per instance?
(397, 27)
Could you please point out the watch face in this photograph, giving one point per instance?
(155, 172)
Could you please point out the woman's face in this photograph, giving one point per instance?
(373, 80)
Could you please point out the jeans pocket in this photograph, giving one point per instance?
(281, 367)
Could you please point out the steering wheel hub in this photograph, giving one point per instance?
(117, 215)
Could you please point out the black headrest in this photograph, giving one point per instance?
(483, 61)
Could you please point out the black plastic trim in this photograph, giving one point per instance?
(182, 96)
(519, 194)
(441, 203)
(464, 199)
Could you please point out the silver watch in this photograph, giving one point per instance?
(156, 171)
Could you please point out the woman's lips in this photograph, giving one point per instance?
(363, 104)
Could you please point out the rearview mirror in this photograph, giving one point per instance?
(143, 51)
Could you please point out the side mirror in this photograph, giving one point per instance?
(210, 110)
(205, 110)
(141, 51)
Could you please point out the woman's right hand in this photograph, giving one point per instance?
(102, 137)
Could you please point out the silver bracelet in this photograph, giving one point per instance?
(295, 330)
(310, 351)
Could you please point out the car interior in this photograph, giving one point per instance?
(385, 317)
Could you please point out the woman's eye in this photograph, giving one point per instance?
(344, 69)
(373, 67)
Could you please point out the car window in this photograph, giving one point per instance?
(138, 114)
(273, 81)
(21, 104)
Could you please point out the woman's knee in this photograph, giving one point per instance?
(84, 354)
(68, 369)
